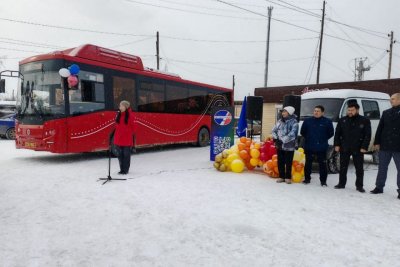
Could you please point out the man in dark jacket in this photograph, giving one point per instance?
(352, 137)
(387, 141)
(316, 131)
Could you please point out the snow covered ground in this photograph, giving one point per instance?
(179, 211)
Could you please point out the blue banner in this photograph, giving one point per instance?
(242, 123)
(222, 122)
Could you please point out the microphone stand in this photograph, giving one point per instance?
(109, 178)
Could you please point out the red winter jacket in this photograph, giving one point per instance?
(123, 135)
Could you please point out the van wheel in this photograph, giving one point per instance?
(203, 138)
(333, 160)
(375, 157)
(10, 134)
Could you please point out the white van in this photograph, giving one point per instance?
(372, 104)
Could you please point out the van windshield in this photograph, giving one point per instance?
(332, 107)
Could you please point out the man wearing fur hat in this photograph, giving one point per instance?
(284, 134)
(352, 137)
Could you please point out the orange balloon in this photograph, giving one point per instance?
(244, 155)
(295, 162)
(275, 157)
(243, 139)
(276, 170)
(275, 163)
(249, 166)
(270, 164)
(241, 146)
(248, 143)
(298, 168)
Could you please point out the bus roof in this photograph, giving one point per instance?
(344, 93)
(91, 54)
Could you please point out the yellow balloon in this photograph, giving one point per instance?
(297, 156)
(257, 145)
(254, 162)
(235, 149)
(237, 165)
(229, 151)
(301, 150)
(297, 177)
(232, 157)
(255, 153)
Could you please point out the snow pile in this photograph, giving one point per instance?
(178, 211)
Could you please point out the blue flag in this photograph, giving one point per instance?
(242, 123)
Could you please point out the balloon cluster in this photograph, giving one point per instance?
(244, 154)
(299, 160)
(71, 74)
(271, 166)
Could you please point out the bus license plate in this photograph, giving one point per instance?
(30, 144)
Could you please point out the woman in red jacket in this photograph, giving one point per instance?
(123, 136)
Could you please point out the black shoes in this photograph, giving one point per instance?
(121, 172)
(306, 181)
(338, 186)
(398, 191)
(376, 191)
(324, 184)
(360, 189)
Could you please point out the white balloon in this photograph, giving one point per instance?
(64, 72)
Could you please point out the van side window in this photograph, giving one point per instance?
(371, 109)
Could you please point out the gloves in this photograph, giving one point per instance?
(278, 143)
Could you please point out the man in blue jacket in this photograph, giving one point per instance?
(316, 130)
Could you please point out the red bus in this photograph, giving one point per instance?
(52, 117)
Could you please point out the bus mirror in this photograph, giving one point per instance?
(2, 86)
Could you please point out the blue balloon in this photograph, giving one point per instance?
(74, 69)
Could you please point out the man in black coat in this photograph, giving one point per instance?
(387, 141)
(316, 130)
(352, 137)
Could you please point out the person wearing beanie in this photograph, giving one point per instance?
(123, 136)
(284, 134)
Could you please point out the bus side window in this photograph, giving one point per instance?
(124, 89)
(176, 98)
(88, 97)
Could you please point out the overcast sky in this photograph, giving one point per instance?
(209, 41)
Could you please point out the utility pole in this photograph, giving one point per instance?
(267, 52)
(158, 51)
(233, 82)
(320, 42)
(360, 69)
(390, 53)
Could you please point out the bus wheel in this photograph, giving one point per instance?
(333, 160)
(10, 134)
(375, 157)
(203, 138)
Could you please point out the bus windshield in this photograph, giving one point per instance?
(40, 94)
(332, 107)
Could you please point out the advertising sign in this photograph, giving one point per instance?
(222, 122)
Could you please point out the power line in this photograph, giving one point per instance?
(70, 28)
(297, 26)
(24, 42)
(237, 63)
(307, 12)
(132, 42)
(190, 11)
(20, 50)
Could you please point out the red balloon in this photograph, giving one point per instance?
(72, 80)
